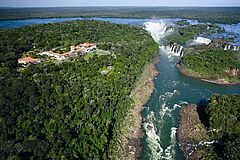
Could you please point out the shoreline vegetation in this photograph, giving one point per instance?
(210, 130)
(211, 62)
(185, 72)
(130, 141)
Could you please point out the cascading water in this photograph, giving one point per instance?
(158, 30)
(202, 40)
(172, 91)
(154, 125)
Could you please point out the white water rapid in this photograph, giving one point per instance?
(172, 91)
(202, 40)
(155, 121)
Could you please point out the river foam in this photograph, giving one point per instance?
(169, 152)
(152, 137)
(155, 122)
(172, 92)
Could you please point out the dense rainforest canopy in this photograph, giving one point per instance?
(205, 61)
(208, 14)
(68, 110)
(212, 64)
(223, 112)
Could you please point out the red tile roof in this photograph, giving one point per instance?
(28, 59)
(87, 44)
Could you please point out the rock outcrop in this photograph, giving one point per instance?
(191, 132)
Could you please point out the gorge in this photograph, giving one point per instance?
(161, 113)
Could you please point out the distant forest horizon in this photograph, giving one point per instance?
(228, 15)
(112, 6)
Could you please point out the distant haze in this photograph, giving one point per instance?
(63, 3)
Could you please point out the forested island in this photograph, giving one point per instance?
(212, 65)
(204, 14)
(185, 32)
(69, 109)
(211, 131)
(215, 61)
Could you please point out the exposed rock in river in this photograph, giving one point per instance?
(191, 132)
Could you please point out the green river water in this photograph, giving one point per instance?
(172, 91)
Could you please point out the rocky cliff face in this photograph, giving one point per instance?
(191, 132)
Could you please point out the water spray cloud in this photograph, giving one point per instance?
(156, 29)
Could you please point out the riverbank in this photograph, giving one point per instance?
(217, 81)
(130, 140)
(191, 133)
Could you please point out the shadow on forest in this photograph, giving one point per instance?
(201, 109)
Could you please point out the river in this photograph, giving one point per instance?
(172, 91)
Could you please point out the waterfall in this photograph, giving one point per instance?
(175, 49)
(202, 40)
(180, 50)
(225, 48)
(160, 141)
(164, 30)
(156, 29)
(231, 47)
(234, 48)
(182, 53)
(172, 46)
